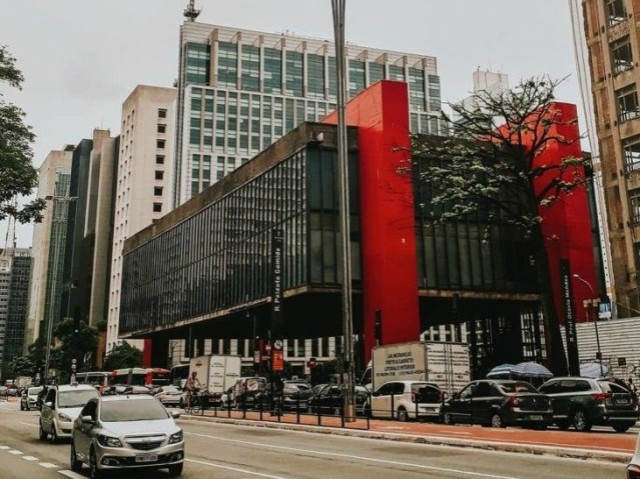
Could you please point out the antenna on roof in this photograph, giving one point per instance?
(191, 12)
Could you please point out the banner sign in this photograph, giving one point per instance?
(569, 318)
(277, 243)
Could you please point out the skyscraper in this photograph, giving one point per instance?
(240, 90)
(614, 51)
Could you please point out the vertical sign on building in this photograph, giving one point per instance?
(569, 318)
(277, 353)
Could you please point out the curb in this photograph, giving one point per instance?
(556, 451)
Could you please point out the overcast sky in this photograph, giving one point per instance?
(82, 58)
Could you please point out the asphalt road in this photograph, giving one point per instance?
(227, 451)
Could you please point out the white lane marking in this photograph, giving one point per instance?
(4, 448)
(16, 452)
(27, 424)
(362, 458)
(48, 465)
(29, 458)
(71, 474)
(234, 469)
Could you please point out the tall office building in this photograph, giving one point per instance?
(143, 180)
(241, 90)
(49, 237)
(611, 32)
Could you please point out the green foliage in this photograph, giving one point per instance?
(18, 177)
(78, 344)
(22, 366)
(123, 356)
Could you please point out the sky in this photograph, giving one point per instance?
(82, 58)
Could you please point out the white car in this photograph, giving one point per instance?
(404, 400)
(62, 405)
(633, 469)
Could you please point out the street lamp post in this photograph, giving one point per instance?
(338, 8)
(588, 304)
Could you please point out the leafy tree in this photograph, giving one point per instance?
(490, 168)
(18, 177)
(123, 356)
(75, 342)
(22, 366)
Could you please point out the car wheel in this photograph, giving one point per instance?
(621, 427)
(176, 470)
(496, 420)
(580, 421)
(403, 415)
(74, 464)
(95, 473)
(41, 433)
(54, 434)
(447, 418)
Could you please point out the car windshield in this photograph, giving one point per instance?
(76, 398)
(518, 388)
(132, 410)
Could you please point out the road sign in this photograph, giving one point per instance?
(311, 363)
(277, 344)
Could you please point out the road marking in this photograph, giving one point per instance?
(4, 448)
(47, 465)
(234, 469)
(16, 452)
(71, 474)
(29, 458)
(351, 456)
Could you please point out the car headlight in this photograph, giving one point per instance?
(176, 437)
(108, 441)
(64, 418)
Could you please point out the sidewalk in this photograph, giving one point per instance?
(603, 446)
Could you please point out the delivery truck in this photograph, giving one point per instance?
(216, 373)
(443, 363)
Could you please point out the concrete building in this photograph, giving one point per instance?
(241, 90)
(611, 34)
(143, 180)
(49, 237)
(484, 81)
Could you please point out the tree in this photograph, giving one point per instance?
(75, 342)
(490, 168)
(18, 177)
(123, 356)
(22, 366)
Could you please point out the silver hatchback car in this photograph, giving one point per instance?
(126, 432)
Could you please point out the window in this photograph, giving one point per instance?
(621, 55)
(162, 112)
(634, 205)
(159, 159)
(159, 175)
(157, 191)
(616, 11)
(157, 207)
(631, 149)
(162, 128)
(160, 144)
(627, 99)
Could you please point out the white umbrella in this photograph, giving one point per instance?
(501, 370)
(531, 369)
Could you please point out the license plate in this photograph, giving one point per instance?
(535, 417)
(622, 401)
(147, 458)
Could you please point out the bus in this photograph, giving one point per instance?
(151, 377)
(179, 375)
(97, 379)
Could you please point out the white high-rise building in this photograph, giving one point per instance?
(240, 90)
(143, 184)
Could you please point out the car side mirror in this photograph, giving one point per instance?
(87, 420)
(175, 414)
(48, 404)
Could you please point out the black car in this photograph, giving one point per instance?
(499, 403)
(330, 399)
(585, 402)
(294, 394)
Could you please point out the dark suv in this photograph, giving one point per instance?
(584, 402)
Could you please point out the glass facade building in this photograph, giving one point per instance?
(240, 90)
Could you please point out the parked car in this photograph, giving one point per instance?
(499, 403)
(295, 395)
(633, 469)
(585, 402)
(126, 432)
(330, 399)
(169, 396)
(404, 400)
(245, 390)
(62, 405)
(29, 398)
